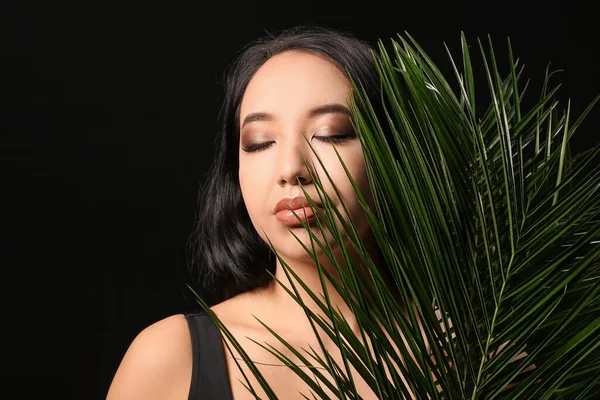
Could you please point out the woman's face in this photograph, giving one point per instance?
(297, 95)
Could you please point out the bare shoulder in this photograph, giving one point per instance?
(157, 364)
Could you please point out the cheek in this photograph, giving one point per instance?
(359, 175)
(245, 181)
(361, 181)
(354, 161)
(253, 194)
(356, 168)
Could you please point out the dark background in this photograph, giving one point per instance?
(108, 116)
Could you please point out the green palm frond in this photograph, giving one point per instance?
(491, 233)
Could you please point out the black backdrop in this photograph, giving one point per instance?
(108, 117)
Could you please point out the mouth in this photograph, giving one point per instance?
(288, 218)
(286, 207)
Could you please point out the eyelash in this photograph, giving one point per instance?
(331, 139)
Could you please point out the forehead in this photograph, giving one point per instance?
(292, 82)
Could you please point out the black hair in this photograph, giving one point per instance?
(228, 256)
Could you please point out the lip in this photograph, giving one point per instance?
(299, 205)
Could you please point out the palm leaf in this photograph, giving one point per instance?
(490, 231)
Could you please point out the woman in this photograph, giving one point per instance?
(282, 92)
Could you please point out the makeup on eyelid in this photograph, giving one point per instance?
(336, 139)
(337, 135)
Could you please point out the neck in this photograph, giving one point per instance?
(306, 269)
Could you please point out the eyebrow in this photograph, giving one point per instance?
(334, 108)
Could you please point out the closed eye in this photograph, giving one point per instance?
(336, 139)
(256, 147)
(329, 139)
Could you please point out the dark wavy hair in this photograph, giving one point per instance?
(228, 256)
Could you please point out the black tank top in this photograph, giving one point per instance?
(209, 371)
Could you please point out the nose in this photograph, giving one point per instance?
(291, 166)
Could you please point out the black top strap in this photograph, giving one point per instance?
(209, 371)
